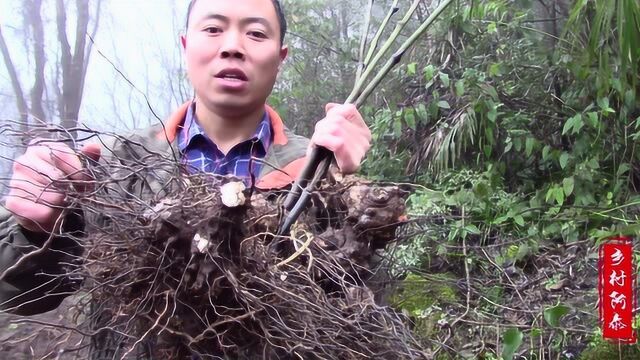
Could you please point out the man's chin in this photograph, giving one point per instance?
(229, 106)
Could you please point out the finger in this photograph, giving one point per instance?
(330, 141)
(29, 193)
(330, 106)
(348, 111)
(33, 216)
(36, 170)
(62, 157)
(92, 151)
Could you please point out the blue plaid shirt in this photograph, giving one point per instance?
(199, 153)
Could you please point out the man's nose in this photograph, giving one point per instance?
(232, 46)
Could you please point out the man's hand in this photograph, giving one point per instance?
(344, 132)
(34, 197)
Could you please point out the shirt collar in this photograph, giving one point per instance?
(191, 129)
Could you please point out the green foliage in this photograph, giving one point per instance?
(419, 293)
(600, 349)
(423, 298)
(518, 139)
(553, 315)
(560, 136)
(511, 340)
(532, 138)
(320, 67)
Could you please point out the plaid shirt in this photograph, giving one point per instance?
(199, 153)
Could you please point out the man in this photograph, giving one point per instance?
(233, 52)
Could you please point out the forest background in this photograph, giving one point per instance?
(517, 121)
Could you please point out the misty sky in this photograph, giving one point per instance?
(140, 37)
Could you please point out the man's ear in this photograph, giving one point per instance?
(183, 41)
(284, 50)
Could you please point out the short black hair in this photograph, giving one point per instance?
(276, 4)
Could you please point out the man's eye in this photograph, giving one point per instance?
(212, 30)
(258, 34)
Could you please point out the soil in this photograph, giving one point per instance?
(23, 338)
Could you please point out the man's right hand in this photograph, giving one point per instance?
(35, 197)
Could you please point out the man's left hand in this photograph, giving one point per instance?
(344, 132)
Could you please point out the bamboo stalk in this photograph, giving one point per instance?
(376, 38)
(363, 43)
(385, 47)
(397, 56)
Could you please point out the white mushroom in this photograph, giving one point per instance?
(232, 194)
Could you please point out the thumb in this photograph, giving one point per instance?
(330, 106)
(92, 151)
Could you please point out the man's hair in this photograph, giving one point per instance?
(276, 4)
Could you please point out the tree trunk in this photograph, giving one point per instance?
(21, 103)
(35, 20)
(74, 67)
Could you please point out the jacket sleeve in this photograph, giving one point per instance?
(37, 271)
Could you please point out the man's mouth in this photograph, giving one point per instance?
(232, 75)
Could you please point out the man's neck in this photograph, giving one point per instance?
(226, 129)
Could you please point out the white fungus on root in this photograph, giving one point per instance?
(201, 243)
(232, 194)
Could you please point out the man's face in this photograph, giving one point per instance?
(233, 53)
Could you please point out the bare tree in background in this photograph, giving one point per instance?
(154, 85)
(70, 66)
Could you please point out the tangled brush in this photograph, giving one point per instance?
(188, 267)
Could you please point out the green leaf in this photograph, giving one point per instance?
(443, 104)
(492, 28)
(445, 79)
(519, 220)
(570, 124)
(397, 128)
(567, 185)
(491, 91)
(460, 88)
(545, 152)
(472, 229)
(500, 220)
(550, 194)
(622, 169)
(530, 143)
(577, 124)
(494, 69)
(559, 194)
(603, 103)
(592, 119)
(410, 119)
(411, 69)
(508, 147)
(564, 160)
(553, 315)
(421, 111)
(511, 341)
(630, 98)
(492, 115)
(429, 71)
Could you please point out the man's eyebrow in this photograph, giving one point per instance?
(243, 21)
(259, 20)
(212, 16)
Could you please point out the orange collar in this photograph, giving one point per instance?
(175, 121)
